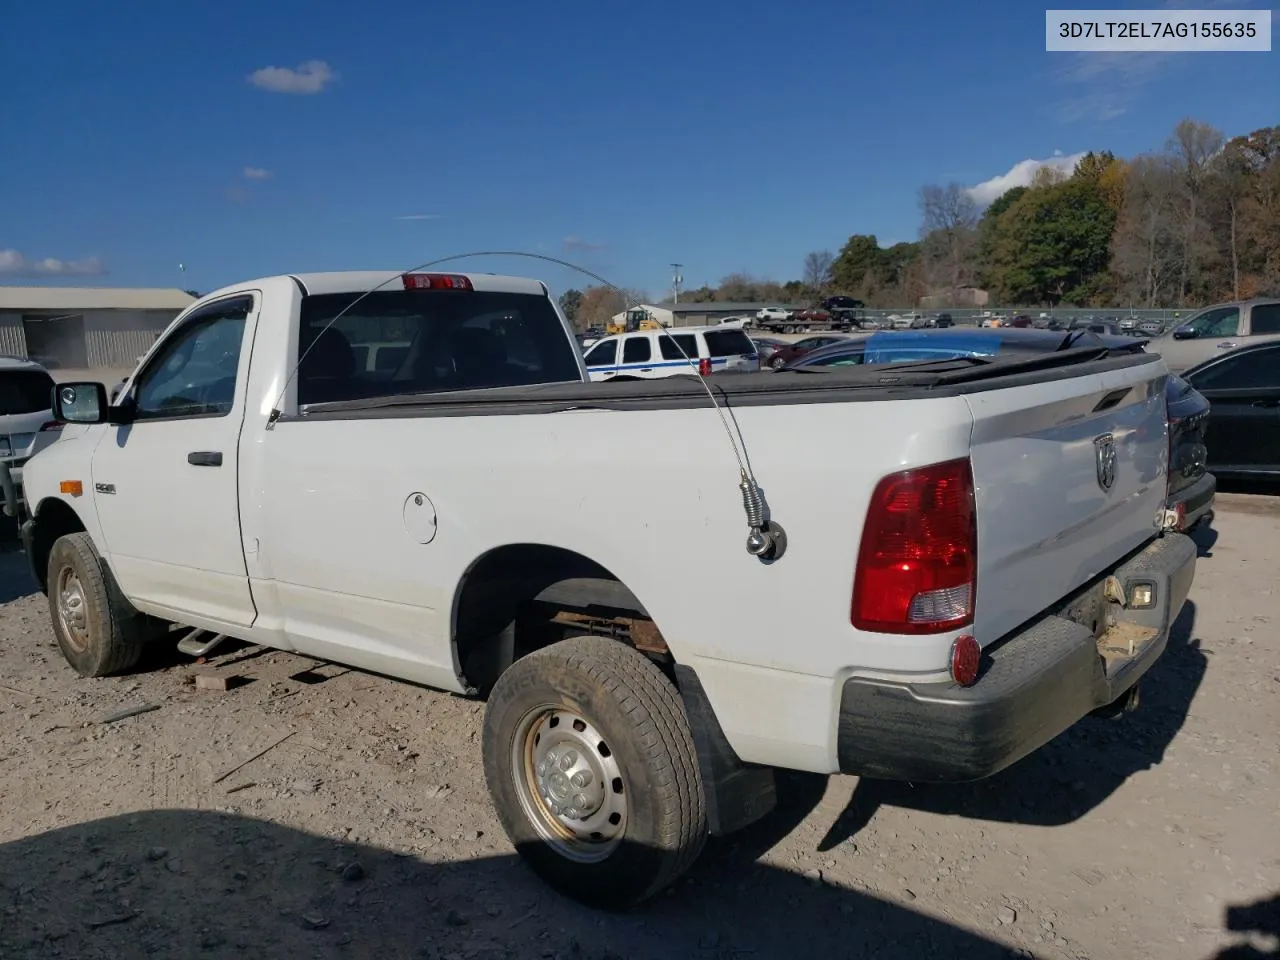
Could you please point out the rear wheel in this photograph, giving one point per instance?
(592, 769)
(98, 630)
(777, 363)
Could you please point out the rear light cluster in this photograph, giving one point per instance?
(704, 367)
(436, 281)
(917, 565)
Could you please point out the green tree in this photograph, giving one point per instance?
(1052, 244)
(859, 256)
(571, 303)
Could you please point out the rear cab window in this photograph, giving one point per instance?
(406, 342)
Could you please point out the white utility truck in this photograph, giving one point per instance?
(974, 552)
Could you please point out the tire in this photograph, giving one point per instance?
(777, 363)
(98, 630)
(610, 712)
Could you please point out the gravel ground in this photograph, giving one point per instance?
(364, 830)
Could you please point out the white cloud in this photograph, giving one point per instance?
(309, 77)
(419, 216)
(257, 173)
(574, 243)
(1020, 175)
(14, 264)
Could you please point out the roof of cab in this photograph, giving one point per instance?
(18, 363)
(358, 281)
(362, 281)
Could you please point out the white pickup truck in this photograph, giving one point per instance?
(964, 557)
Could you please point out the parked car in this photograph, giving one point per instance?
(591, 557)
(1151, 328)
(943, 320)
(27, 424)
(791, 351)
(766, 347)
(1243, 390)
(1191, 488)
(651, 354)
(1217, 329)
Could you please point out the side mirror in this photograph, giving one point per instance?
(1184, 333)
(80, 403)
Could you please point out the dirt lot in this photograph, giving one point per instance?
(364, 830)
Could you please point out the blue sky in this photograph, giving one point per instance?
(729, 137)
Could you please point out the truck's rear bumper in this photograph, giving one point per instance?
(1034, 685)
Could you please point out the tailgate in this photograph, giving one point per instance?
(1069, 477)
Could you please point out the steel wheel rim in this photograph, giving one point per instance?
(569, 783)
(73, 613)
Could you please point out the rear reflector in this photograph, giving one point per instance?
(704, 367)
(966, 657)
(436, 281)
(917, 564)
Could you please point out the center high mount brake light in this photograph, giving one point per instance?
(437, 281)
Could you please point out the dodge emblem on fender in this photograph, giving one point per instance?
(1105, 449)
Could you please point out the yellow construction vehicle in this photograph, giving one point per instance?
(637, 318)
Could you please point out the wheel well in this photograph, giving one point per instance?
(52, 519)
(518, 598)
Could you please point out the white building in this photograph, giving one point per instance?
(85, 327)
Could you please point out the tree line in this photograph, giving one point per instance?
(1193, 223)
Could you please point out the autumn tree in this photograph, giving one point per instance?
(817, 271)
(949, 216)
(1193, 145)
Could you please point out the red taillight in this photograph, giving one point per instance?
(436, 281)
(50, 425)
(704, 367)
(917, 565)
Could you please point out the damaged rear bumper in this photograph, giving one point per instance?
(1034, 684)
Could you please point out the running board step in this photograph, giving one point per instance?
(200, 643)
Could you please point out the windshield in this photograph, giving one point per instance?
(25, 391)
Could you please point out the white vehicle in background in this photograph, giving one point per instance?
(27, 425)
(651, 354)
(773, 314)
(741, 323)
(907, 321)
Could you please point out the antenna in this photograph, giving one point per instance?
(676, 280)
(766, 540)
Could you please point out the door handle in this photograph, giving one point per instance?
(1266, 403)
(1227, 345)
(205, 458)
(646, 369)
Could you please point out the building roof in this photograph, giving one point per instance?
(93, 298)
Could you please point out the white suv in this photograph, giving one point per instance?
(773, 313)
(650, 354)
(26, 412)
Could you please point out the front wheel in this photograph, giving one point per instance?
(592, 770)
(98, 630)
(777, 363)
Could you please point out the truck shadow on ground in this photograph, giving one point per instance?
(1072, 774)
(179, 883)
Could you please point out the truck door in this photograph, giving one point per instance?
(165, 484)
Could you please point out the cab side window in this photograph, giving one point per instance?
(636, 350)
(194, 372)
